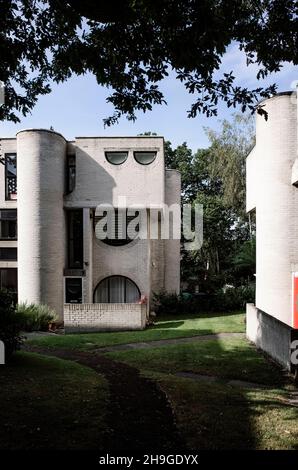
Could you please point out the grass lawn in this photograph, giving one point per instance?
(217, 415)
(50, 403)
(231, 358)
(40, 394)
(165, 328)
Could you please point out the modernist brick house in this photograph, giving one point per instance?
(272, 190)
(49, 253)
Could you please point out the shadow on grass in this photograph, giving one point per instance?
(186, 316)
(217, 415)
(167, 325)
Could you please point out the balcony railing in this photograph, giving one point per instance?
(11, 188)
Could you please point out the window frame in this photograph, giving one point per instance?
(116, 242)
(15, 270)
(12, 249)
(70, 240)
(71, 165)
(145, 151)
(15, 220)
(108, 278)
(7, 194)
(116, 152)
(65, 289)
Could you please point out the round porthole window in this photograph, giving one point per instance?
(145, 158)
(116, 158)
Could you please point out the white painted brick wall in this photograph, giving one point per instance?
(269, 189)
(104, 317)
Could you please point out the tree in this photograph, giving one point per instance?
(229, 149)
(215, 178)
(245, 259)
(130, 46)
(194, 169)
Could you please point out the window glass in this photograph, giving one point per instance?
(8, 254)
(73, 290)
(118, 221)
(116, 289)
(116, 158)
(9, 279)
(70, 173)
(75, 239)
(10, 176)
(145, 158)
(8, 224)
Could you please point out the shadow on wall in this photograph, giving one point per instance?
(93, 183)
(273, 337)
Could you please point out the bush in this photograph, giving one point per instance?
(10, 324)
(233, 298)
(35, 317)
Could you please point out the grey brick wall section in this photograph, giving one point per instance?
(104, 317)
(172, 247)
(41, 219)
(154, 265)
(269, 334)
(270, 191)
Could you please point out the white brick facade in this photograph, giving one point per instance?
(43, 206)
(271, 193)
(104, 317)
(271, 173)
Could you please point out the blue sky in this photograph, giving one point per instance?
(77, 107)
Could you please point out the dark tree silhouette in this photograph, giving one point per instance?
(130, 46)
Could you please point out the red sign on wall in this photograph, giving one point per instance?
(295, 301)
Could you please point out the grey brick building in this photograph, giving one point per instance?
(272, 181)
(49, 253)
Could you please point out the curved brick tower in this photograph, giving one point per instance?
(272, 190)
(41, 224)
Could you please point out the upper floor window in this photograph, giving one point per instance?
(10, 176)
(116, 158)
(75, 238)
(145, 158)
(113, 228)
(8, 224)
(70, 173)
(8, 254)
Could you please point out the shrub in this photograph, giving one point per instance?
(35, 317)
(10, 324)
(220, 301)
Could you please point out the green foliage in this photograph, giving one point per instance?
(229, 149)
(245, 259)
(215, 178)
(35, 317)
(130, 47)
(10, 324)
(227, 300)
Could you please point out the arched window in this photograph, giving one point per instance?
(116, 289)
(117, 233)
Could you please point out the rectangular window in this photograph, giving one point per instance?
(10, 176)
(70, 173)
(8, 254)
(73, 290)
(8, 224)
(9, 279)
(75, 239)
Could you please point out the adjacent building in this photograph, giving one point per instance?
(49, 253)
(272, 191)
